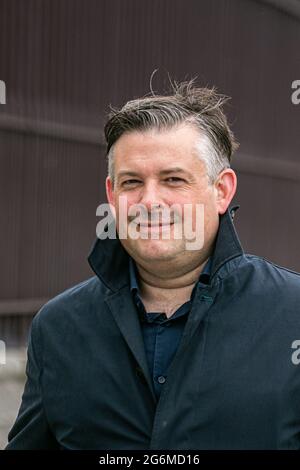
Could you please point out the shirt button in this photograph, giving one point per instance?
(161, 379)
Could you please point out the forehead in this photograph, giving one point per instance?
(154, 149)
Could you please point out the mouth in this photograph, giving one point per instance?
(156, 225)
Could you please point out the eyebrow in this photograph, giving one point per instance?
(167, 171)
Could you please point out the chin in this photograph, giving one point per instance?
(156, 249)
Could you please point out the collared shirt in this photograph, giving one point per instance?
(162, 334)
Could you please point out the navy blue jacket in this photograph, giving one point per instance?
(232, 384)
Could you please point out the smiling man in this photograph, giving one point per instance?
(172, 344)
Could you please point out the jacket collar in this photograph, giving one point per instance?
(227, 243)
(110, 261)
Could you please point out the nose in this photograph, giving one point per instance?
(150, 197)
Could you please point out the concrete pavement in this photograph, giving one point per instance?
(12, 380)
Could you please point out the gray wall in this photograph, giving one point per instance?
(65, 61)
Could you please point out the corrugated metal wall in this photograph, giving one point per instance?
(64, 61)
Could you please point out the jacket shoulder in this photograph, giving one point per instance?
(271, 276)
(72, 302)
(266, 264)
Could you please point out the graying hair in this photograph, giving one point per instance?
(188, 104)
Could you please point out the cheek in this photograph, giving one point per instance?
(129, 201)
(210, 214)
(122, 204)
(211, 218)
(203, 208)
(132, 198)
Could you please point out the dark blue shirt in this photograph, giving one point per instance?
(162, 334)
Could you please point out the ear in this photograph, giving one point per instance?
(110, 194)
(225, 186)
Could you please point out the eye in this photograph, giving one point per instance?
(174, 179)
(130, 182)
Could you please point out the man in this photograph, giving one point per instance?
(167, 346)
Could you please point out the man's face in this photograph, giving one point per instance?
(162, 167)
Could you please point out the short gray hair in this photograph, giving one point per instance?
(188, 104)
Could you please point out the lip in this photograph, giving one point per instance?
(156, 225)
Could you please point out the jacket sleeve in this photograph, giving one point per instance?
(31, 429)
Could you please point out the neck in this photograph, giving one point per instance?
(170, 291)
